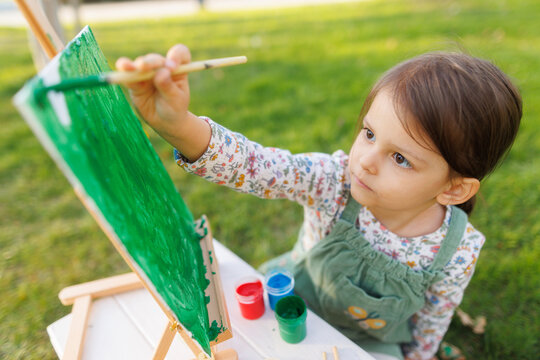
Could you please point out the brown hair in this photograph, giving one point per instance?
(467, 106)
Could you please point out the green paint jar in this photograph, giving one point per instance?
(291, 316)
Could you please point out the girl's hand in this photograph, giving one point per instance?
(163, 100)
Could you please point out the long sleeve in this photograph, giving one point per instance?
(319, 182)
(311, 179)
(443, 297)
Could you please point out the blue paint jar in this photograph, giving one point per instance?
(278, 283)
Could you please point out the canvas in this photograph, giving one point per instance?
(99, 144)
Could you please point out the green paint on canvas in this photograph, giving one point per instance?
(110, 155)
(215, 330)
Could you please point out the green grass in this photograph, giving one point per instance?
(308, 71)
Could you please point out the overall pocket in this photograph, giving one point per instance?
(350, 308)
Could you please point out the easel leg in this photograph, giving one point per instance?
(227, 354)
(165, 342)
(74, 344)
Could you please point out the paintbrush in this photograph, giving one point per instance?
(126, 77)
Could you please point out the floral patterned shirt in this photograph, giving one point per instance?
(320, 182)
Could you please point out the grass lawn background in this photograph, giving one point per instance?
(308, 72)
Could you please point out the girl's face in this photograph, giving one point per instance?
(391, 171)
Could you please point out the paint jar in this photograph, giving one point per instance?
(249, 293)
(291, 316)
(279, 283)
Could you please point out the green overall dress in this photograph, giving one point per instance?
(365, 294)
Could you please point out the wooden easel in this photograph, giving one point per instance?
(81, 296)
(41, 26)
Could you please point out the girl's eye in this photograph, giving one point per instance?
(401, 161)
(369, 134)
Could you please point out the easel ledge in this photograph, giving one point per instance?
(100, 288)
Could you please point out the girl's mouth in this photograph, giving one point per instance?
(360, 183)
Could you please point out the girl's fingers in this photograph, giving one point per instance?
(149, 62)
(142, 63)
(125, 64)
(179, 54)
(165, 85)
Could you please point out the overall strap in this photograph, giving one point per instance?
(456, 228)
(351, 210)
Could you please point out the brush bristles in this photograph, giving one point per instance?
(70, 84)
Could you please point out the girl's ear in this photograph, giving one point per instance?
(460, 190)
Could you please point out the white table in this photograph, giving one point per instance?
(129, 325)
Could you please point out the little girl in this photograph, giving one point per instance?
(385, 251)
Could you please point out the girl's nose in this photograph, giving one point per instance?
(368, 159)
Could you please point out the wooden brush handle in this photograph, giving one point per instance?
(125, 77)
